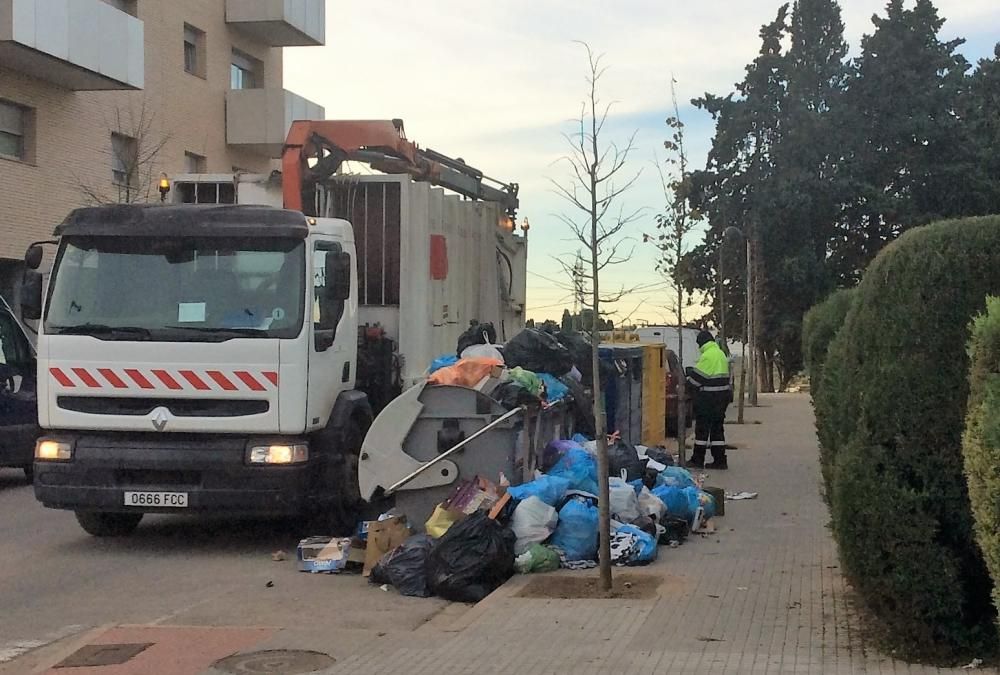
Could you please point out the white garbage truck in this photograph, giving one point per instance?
(226, 351)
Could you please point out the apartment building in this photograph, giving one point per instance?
(100, 98)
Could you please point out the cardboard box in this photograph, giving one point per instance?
(383, 536)
(323, 554)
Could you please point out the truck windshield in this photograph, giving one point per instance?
(204, 289)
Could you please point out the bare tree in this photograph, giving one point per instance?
(674, 226)
(135, 143)
(597, 220)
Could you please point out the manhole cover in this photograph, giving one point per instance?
(102, 655)
(275, 662)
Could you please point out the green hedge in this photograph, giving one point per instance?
(900, 506)
(819, 327)
(981, 443)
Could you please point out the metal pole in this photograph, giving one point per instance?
(722, 300)
(455, 448)
(751, 322)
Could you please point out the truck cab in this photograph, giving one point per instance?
(197, 359)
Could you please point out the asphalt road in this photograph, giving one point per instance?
(57, 581)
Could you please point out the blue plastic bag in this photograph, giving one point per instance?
(576, 533)
(550, 489)
(554, 389)
(579, 467)
(676, 500)
(443, 362)
(675, 476)
(581, 439)
(647, 550)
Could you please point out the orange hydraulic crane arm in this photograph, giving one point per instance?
(383, 145)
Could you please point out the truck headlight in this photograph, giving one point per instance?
(279, 454)
(53, 451)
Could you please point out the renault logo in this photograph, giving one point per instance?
(160, 419)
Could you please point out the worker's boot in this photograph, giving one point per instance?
(719, 463)
(697, 460)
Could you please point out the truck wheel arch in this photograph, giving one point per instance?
(351, 406)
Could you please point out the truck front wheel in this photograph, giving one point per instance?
(346, 509)
(108, 524)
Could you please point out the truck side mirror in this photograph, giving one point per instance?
(33, 257)
(338, 275)
(31, 295)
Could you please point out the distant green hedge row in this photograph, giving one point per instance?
(891, 409)
(981, 443)
(819, 327)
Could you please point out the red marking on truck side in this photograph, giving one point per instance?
(62, 378)
(112, 378)
(249, 380)
(221, 380)
(87, 378)
(168, 381)
(194, 380)
(139, 378)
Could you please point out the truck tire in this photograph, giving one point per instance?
(101, 524)
(347, 506)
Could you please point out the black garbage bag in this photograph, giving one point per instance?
(583, 407)
(477, 334)
(661, 455)
(405, 567)
(646, 524)
(581, 352)
(538, 352)
(623, 457)
(512, 395)
(473, 558)
(676, 530)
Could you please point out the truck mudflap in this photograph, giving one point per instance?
(122, 474)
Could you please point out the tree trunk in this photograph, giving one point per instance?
(600, 416)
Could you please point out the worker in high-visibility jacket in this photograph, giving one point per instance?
(712, 391)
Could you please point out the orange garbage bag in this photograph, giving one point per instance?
(465, 373)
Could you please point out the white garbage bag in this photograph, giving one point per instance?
(651, 505)
(624, 503)
(533, 522)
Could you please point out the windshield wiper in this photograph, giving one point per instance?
(219, 331)
(101, 329)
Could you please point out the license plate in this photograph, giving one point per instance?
(177, 500)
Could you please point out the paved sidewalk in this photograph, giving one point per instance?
(764, 595)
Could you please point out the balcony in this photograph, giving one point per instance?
(280, 23)
(81, 45)
(258, 119)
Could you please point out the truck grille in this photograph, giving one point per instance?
(178, 407)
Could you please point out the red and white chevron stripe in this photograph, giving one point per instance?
(158, 379)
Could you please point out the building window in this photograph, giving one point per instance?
(194, 163)
(246, 72)
(194, 51)
(15, 128)
(127, 6)
(124, 160)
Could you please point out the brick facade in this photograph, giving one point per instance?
(72, 129)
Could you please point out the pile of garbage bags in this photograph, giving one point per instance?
(532, 368)
(484, 533)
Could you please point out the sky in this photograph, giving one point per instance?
(499, 83)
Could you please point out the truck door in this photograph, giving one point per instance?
(18, 401)
(334, 343)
